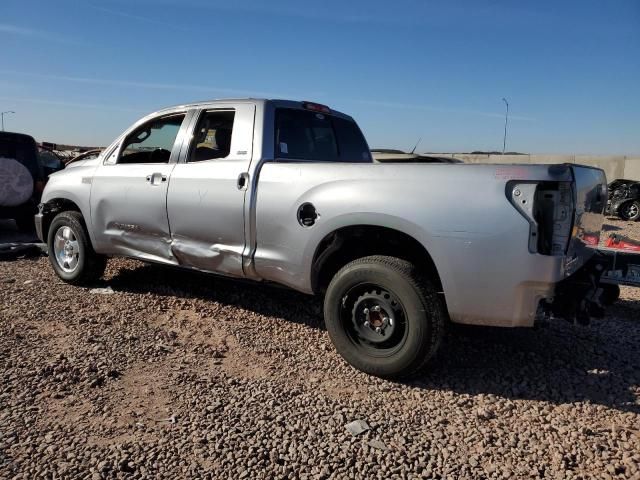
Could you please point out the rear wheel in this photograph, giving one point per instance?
(630, 210)
(70, 251)
(383, 317)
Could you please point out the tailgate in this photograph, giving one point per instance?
(590, 198)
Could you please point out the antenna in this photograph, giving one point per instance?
(416, 145)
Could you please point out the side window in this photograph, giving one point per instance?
(306, 135)
(152, 142)
(353, 146)
(212, 136)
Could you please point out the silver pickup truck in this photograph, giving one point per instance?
(287, 192)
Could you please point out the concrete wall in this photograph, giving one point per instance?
(615, 166)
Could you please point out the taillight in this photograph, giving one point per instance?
(548, 206)
(316, 107)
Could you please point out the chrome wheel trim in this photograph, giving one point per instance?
(630, 210)
(66, 249)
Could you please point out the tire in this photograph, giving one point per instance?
(630, 211)
(388, 293)
(70, 251)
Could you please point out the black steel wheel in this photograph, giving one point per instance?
(383, 317)
(377, 322)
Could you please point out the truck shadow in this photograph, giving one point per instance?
(264, 299)
(556, 363)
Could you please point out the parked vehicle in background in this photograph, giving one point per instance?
(392, 156)
(624, 199)
(21, 178)
(49, 161)
(287, 192)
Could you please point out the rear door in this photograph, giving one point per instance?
(129, 191)
(205, 202)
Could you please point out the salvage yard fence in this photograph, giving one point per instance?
(615, 166)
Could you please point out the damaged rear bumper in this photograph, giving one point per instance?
(585, 294)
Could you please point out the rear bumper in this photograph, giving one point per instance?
(584, 295)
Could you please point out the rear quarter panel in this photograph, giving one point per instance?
(460, 213)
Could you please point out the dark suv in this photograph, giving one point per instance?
(21, 179)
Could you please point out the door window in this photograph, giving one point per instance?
(212, 137)
(152, 142)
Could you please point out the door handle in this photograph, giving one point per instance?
(243, 181)
(156, 178)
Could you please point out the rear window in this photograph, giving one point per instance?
(23, 149)
(305, 135)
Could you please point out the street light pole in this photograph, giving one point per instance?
(506, 119)
(2, 115)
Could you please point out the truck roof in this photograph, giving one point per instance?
(261, 101)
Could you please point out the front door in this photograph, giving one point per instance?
(205, 202)
(129, 192)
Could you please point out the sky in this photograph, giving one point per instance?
(80, 72)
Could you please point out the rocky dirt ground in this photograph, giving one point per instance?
(181, 375)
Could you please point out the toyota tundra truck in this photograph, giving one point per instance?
(287, 192)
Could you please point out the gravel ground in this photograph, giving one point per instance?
(181, 375)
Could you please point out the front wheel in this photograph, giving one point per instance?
(383, 317)
(630, 210)
(70, 251)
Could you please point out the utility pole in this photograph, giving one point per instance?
(506, 119)
(2, 115)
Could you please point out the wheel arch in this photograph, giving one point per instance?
(53, 207)
(348, 243)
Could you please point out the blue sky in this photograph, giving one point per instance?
(82, 71)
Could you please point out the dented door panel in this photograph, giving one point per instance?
(129, 202)
(129, 212)
(205, 202)
(206, 217)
